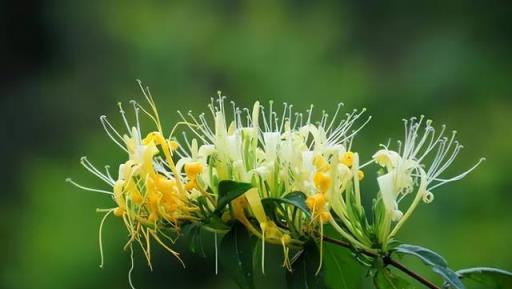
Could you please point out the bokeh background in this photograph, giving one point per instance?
(64, 63)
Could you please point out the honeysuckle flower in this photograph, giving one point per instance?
(150, 195)
(407, 169)
(278, 154)
(164, 185)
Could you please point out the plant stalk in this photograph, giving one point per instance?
(387, 261)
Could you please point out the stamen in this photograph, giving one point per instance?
(353, 132)
(276, 119)
(265, 124)
(290, 110)
(270, 114)
(206, 128)
(211, 106)
(297, 118)
(247, 116)
(334, 117)
(283, 118)
(136, 109)
(309, 111)
(460, 176)
(106, 125)
(123, 115)
(152, 104)
(69, 180)
(192, 128)
(91, 168)
(234, 112)
(107, 170)
(239, 117)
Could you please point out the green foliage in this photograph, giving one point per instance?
(236, 256)
(296, 199)
(438, 264)
(287, 209)
(192, 233)
(427, 256)
(385, 279)
(341, 270)
(228, 191)
(488, 278)
(305, 273)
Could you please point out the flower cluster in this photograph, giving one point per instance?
(284, 157)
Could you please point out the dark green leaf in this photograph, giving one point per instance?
(384, 279)
(191, 234)
(304, 270)
(488, 278)
(236, 250)
(438, 263)
(228, 191)
(342, 271)
(296, 199)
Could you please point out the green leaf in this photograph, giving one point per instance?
(427, 256)
(342, 271)
(449, 276)
(236, 251)
(304, 270)
(488, 278)
(384, 279)
(438, 263)
(228, 191)
(296, 199)
(191, 234)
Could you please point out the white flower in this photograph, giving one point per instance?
(261, 143)
(407, 168)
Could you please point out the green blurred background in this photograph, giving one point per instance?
(64, 63)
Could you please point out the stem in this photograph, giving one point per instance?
(387, 261)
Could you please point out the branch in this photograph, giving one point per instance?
(387, 261)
